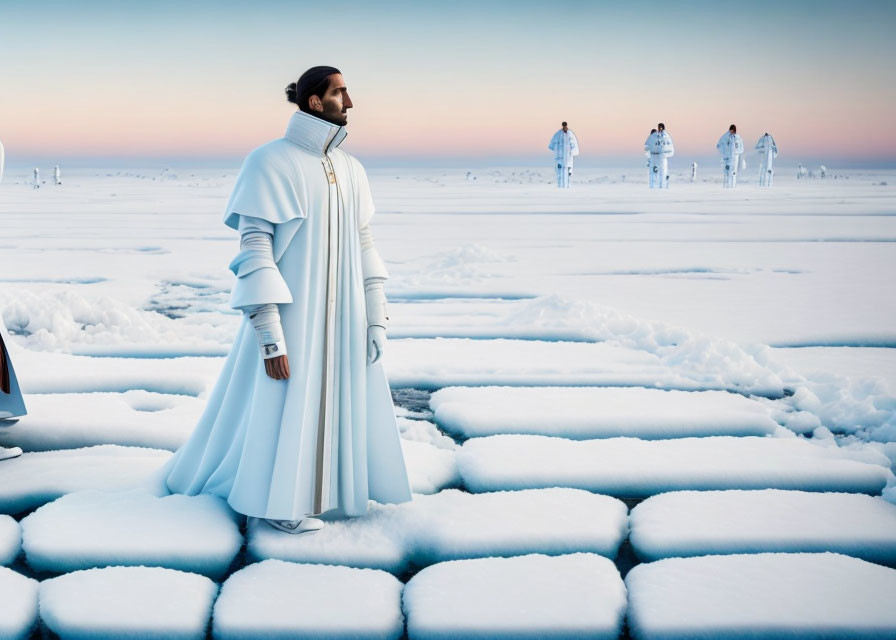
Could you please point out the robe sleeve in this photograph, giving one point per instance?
(372, 265)
(258, 280)
(264, 189)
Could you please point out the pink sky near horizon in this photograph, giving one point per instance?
(106, 91)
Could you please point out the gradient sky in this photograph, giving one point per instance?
(167, 79)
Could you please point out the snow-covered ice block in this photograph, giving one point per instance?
(47, 372)
(452, 525)
(18, 605)
(10, 539)
(198, 534)
(443, 362)
(72, 420)
(761, 596)
(34, 479)
(598, 412)
(127, 602)
(430, 468)
(455, 525)
(375, 541)
(275, 599)
(572, 596)
(630, 467)
(692, 523)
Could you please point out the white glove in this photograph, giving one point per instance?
(376, 318)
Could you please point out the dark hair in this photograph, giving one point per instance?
(313, 82)
(661, 126)
(733, 128)
(563, 124)
(653, 131)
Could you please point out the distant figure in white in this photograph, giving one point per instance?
(801, 172)
(36, 183)
(731, 148)
(659, 146)
(565, 146)
(693, 172)
(647, 153)
(57, 178)
(768, 151)
(822, 171)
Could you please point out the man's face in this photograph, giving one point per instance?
(334, 105)
(565, 127)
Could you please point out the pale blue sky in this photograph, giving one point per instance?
(448, 79)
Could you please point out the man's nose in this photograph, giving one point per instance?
(347, 103)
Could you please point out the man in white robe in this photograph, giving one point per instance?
(565, 146)
(301, 421)
(12, 405)
(731, 148)
(768, 151)
(659, 146)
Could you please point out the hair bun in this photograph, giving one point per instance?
(291, 93)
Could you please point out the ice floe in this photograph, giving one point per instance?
(442, 362)
(34, 479)
(767, 596)
(692, 523)
(18, 605)
(597, 412)
(456, 525)
(136, 418)
(10, 539)
(629, 467)
(535, 596)
(87, 529)
(430, 468)
(275, 599)
(127, 602)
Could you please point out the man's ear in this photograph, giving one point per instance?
(315, 104)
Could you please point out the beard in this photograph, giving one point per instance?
(333, 114)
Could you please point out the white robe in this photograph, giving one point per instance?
(768, 151)
(659, 146)
(326, 438)
(731, 147)
(565, 146)
(12, 404)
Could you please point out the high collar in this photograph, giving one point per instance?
(313, 134)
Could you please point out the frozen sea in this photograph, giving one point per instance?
(700, 339)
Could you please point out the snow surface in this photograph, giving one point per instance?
(691, 523)
(10, 539)
(442, 362)
(34, 479)
(136, 418)
(18, 605)
(597, 412)
(454, 525)
(761, 596)
(375, 541)
(127, 602)
(572, 596)
(275, 599)
(629, 467)
(430, 468)
(86, 529)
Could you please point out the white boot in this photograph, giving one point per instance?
(297, 526)
(5, 453)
